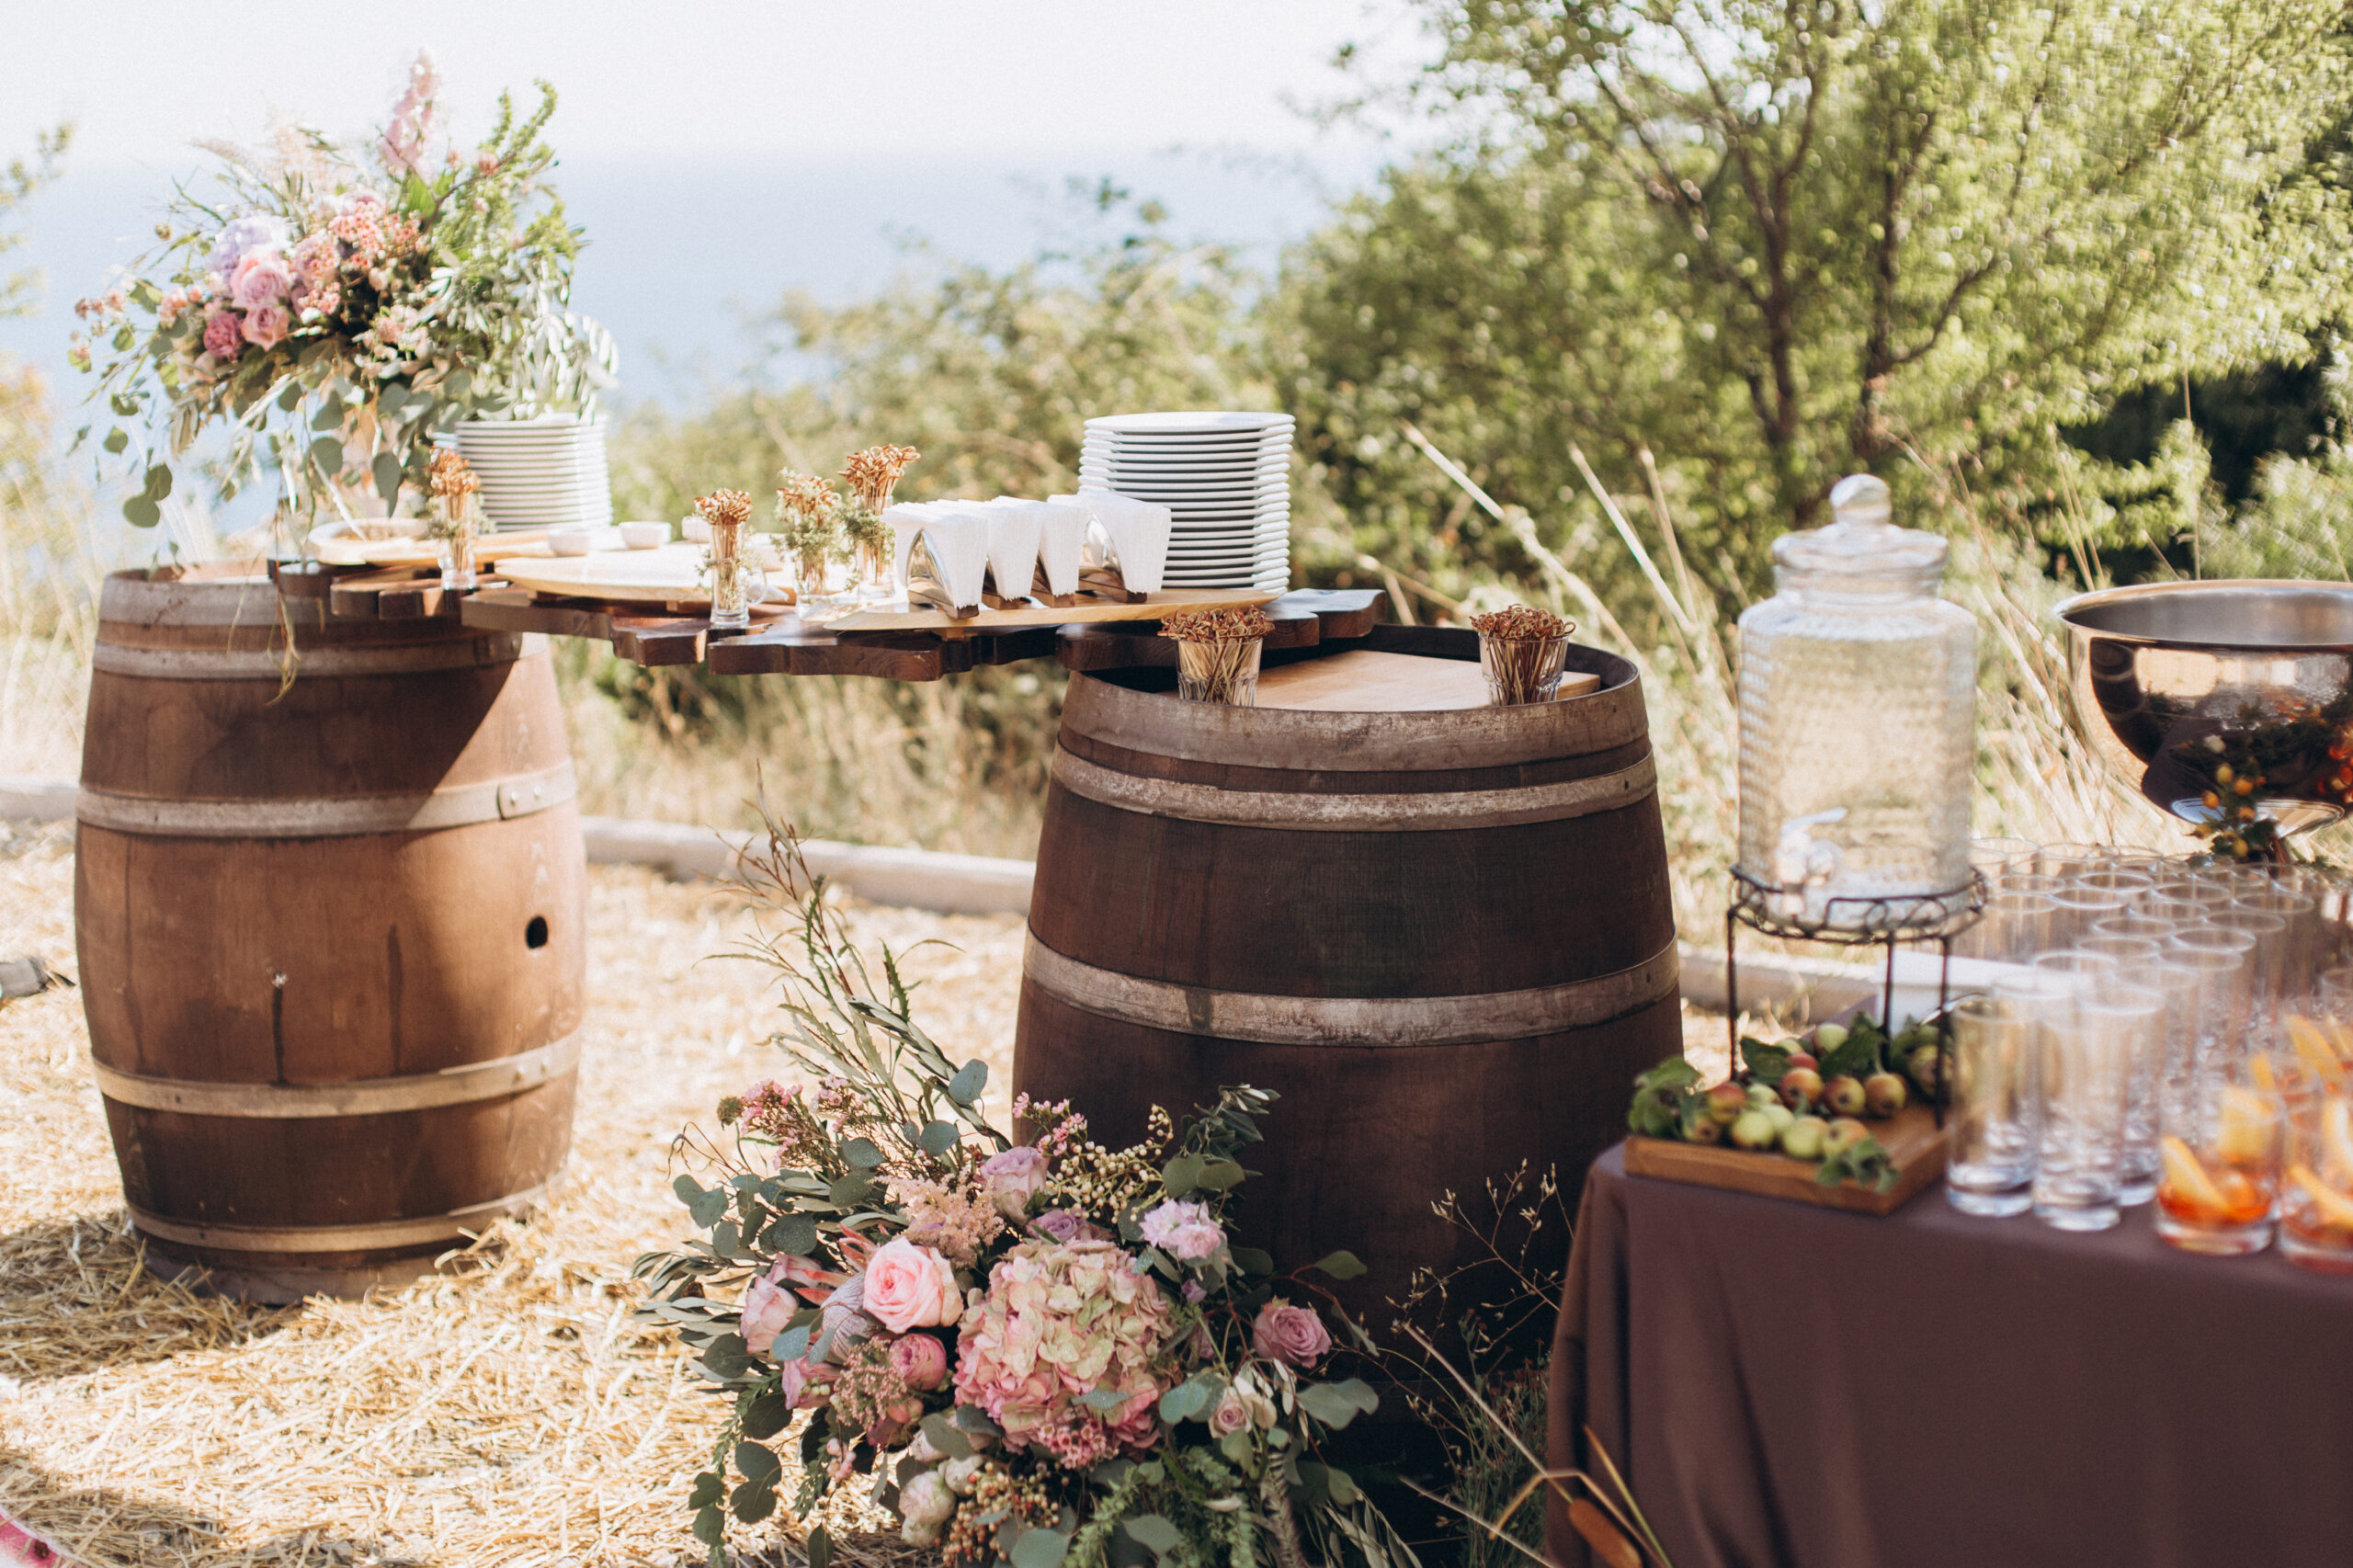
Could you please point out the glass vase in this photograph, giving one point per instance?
(1220, 672)
(731, 573)
(456, 549)
(1522, 669)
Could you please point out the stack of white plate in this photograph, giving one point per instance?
(536, 473)
(1227, 478)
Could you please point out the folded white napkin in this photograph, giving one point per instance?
(1138, 532)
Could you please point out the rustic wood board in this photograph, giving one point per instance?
(1304, 618)
(1155, 608)
(336, 549)
(1911, 1137)
(1364, 681)
(670, 576)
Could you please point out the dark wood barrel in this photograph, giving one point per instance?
(1444, 938)
(332, 931)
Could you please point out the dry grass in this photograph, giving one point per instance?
(510, 1414)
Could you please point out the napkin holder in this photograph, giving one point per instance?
(948, 565)
(1015, 530)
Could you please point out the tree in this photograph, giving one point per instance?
(1775, 242)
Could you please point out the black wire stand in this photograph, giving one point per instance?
(1853, 922)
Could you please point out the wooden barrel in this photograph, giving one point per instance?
(332, 931)
(1444, 938)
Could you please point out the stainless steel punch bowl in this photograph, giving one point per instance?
(2173, 679)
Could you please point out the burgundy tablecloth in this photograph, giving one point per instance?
(1791, 1385)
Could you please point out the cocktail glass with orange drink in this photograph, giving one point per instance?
(2316, 1196)
(2220, 1190)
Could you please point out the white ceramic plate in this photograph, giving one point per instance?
(1188, 420)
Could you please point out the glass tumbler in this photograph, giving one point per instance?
(2015, 926)
(731, 575)
(2221, 1188)
(1223, 672)
(1522, 669)
(1994, 1122)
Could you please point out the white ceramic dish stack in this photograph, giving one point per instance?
(1224, 475)
(544, 472)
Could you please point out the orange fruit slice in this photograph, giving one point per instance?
(2191, 1185)
(2248, 1122)
(2336, 1209)
(2311, 1043)
(2336, 1132)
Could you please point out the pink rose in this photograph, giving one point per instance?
(224, 334)
(261, 278)
(1285, 1333)
(1137, 1426)
(1013, 1179)
(910, 1287)
(920, 1361)
(1230, 1416)
(767, 1311)
(1065, 1225)
(265, 325)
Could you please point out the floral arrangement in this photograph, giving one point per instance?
(336, 310)
(455, 489)
(1041, 1354)
(809, 528)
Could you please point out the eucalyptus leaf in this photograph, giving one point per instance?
(1222, 1175)
(1039, 1549)
(387, 470)
(159, 480)
(966, 1087)
(757, 1464)
(945, 1436)
(1341, 1266)
(142, 512)
(1154, 1531)
(795, 1234)
(116, 439)
(937, 1138)
(861, 1154)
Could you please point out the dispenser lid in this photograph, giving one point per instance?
(1859, 540)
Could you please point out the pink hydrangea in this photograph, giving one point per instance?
(224, 334)
(1184, 1231)
(1058, 1323)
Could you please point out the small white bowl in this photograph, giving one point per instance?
(645, 536)
(571, 541)
(696, 530)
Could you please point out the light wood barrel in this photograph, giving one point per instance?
(332, 931)
(1444, 938)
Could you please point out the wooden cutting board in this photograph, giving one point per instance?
(1364, 681)
(1155, 607)
(671, 574)
(1911, 1137)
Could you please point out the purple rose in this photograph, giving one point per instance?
(1067, 1225)
(1013, 1179)
(1289, 1334)
(265, 325)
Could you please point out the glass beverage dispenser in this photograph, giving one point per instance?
(1857, 703)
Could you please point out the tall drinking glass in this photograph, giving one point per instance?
(2082, 1068)
(2081, 905)
(2215, 977)
(2015, 928)
(2142, 970)
(2317, 1198)
(2069, 860)
(1995, 858)
(1995, 1120)
(2274, 943)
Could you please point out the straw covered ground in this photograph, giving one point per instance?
(511, 1414)
(508, 1414)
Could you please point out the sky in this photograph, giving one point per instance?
(695, 80)
(721, 154)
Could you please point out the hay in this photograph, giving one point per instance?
(507, 1414)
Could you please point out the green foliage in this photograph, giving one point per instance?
(1775, 244)
(20, 178)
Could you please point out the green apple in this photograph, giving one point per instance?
(1801, 1138)
(1725, 1102)
(1843, 1096)
(1780, 1114)
(1829, 1038)
(1843, 1133)
(1883, 1094)
(1753, 1130)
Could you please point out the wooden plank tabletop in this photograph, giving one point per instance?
(1362, 680)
